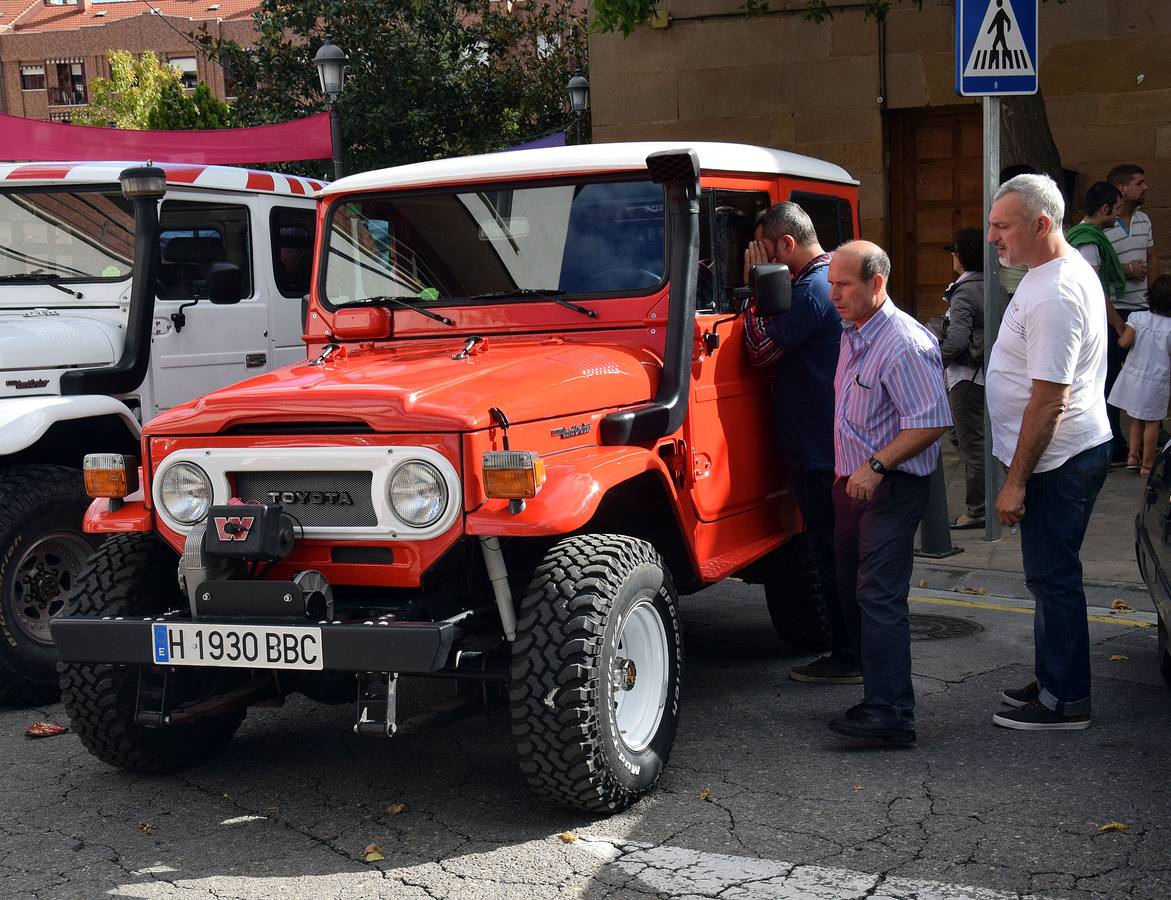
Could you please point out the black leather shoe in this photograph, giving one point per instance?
(867, 726)
(857, 711)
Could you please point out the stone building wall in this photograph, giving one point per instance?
(779, 80)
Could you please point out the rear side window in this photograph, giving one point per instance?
(292, 232)
(193, 236)
(832, 217)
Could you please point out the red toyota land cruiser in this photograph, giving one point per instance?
(527, 423)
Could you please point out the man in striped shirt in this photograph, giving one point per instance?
(891, 408)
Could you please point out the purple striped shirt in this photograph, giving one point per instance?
(889, 377)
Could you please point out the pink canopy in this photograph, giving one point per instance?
(29, 139)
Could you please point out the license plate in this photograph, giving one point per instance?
(240, 646)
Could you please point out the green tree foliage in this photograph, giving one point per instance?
(176, 110)
(145, 93)
(427, 78)
(133, 89)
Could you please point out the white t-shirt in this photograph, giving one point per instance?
(1131, 246)
(1091, 255)
(1053, 330)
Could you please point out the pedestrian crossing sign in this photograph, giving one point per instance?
(996, 47)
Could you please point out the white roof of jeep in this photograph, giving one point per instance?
(225, 178)
(589, 159)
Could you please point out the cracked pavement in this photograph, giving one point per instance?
(792, 811)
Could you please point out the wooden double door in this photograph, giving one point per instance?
(936, 187)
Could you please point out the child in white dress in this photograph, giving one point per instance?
(1143, 386)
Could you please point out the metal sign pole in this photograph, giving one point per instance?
(992, 308)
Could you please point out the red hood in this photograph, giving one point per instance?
(413, 388)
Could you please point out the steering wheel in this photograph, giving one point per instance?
(621, 278)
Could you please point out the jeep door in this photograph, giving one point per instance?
(196, 346)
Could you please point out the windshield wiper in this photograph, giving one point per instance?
(402, 302)
(541, 294)
(42, 277)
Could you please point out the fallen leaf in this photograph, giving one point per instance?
(44, 729)
(395, 808)
(983, 592)
(1113, 826)
(922, 582)
(1119, 603)
(373, 853)
(567, 837)
(1119, 658)
(705, 794)
(145, 827)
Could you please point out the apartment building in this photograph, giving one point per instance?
(51, 50)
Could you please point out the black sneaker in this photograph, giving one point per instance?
(826, 670)
(1020, 696)
(1035, 716)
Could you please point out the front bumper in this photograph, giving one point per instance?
(403, 647)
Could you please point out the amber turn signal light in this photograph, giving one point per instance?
(513, 474)
(110, 475)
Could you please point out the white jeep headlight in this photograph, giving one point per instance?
(185, 493)
(418, 493)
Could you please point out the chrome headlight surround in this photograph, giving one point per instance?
(418, 493)
(184, 493)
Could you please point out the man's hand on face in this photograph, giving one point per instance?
(1010, 504)
(863, 483)
(754, 255)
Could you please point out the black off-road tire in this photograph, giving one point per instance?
(133, 575)
(1164, 651)
(560, 694)
(793, 593)
(42, 551)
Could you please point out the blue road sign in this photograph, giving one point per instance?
(996, 47)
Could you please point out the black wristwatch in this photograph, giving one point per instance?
(878, 466)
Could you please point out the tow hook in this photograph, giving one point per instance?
(469, 347)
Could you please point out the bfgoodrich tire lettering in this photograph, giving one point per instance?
(42, 552)
(133, 575)
(569, 650)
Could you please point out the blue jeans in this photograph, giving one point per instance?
(1058, 504)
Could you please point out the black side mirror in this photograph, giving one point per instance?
(772, 288)
(224, 283)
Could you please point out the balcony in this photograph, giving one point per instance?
(67, 96)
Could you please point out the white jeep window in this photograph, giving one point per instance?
(193, 236)
(547, 240)
(66, 236)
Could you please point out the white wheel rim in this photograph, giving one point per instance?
(642, 644)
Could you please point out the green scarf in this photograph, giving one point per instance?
(1112, 278)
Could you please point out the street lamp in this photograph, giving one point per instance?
(331, 65)
(579, 99)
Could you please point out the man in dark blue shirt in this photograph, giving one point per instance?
(802, 346)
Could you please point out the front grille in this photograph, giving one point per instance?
(317, 497)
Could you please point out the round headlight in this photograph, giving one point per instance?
(185, 493)
(418, 493)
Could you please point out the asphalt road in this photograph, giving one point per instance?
(759, 799)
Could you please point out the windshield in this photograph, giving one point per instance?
(65, 236)
(597, 237)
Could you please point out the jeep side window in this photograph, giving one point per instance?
(194, 235)
(726, 226)
(832, 218)
(292, 232)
